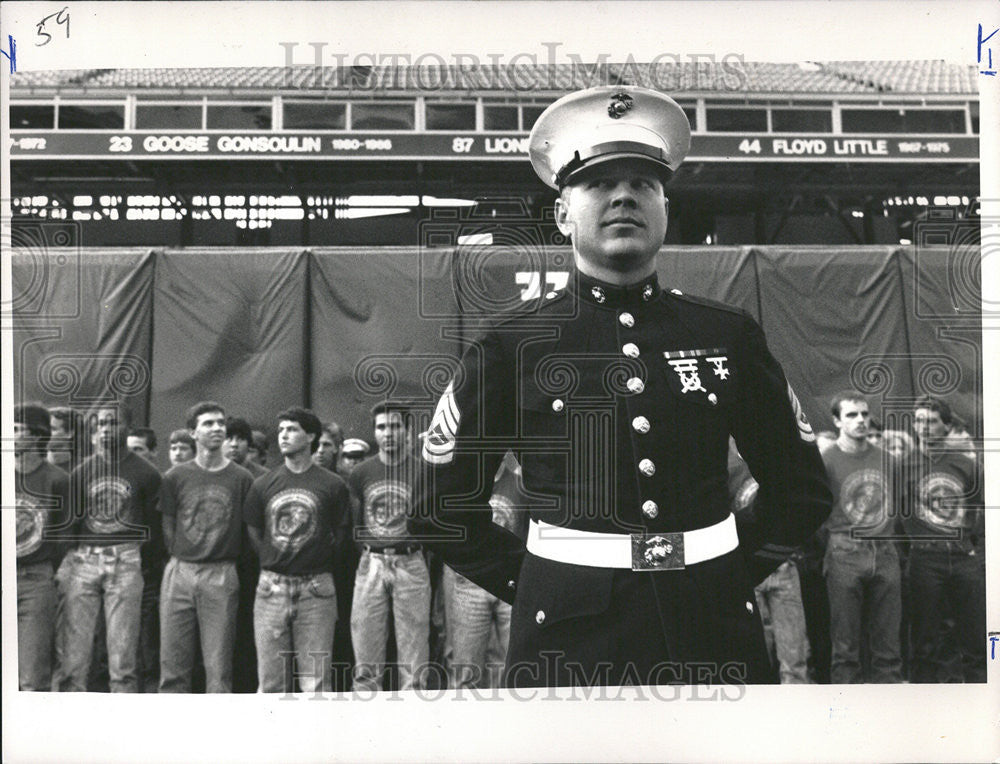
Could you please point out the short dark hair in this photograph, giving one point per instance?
(182, 436)
(75, 424)
(259, 442)
(126, 415)
(71, 418)
(333, 430)
(35, 417)
(931, 403)
(236, 427)
(146, 434)
(203, 407)
(387, 407)
(845, 395)
(307, 420)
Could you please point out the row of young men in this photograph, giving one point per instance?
(245, 446)
(931, 494)
(902, 554)
(79, 541)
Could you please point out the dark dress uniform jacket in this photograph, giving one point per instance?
(619, 404)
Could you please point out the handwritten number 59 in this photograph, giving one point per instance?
(62, 17)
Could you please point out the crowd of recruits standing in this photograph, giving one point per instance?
(205, 577)
(168, 583)
(900, 561)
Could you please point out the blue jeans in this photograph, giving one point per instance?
(149, 629)
(293, 622)
(88, 576)
(36, 621)
(946, 579)
(863, 577)
(475, 618)
(398, 585)
(779, 599)
(198, 599)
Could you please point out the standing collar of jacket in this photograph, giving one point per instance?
(605, 295)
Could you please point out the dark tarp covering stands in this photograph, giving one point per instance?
(942, 290)
(384, 325)
(822, 310)
(723, 274)
(339, 329)
(229, 326)
(82, 326)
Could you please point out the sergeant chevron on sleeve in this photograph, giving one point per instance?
(618, 398)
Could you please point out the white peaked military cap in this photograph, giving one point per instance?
(354, 447)
(591, 126)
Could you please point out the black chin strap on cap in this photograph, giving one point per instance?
(614, 150)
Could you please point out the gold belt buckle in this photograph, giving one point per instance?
(657, 551)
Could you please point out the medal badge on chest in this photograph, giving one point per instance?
(701, 373)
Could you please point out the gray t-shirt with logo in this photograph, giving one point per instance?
(208, 507)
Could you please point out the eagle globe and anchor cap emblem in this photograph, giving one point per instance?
(588, 127)
(619, 104)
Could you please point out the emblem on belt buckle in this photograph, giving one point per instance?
(661, 551)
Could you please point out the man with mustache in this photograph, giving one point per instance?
(618, 398)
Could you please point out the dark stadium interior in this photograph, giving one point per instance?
(750, 203)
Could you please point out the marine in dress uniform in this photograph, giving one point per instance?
(618, 398)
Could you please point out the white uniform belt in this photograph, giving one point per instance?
(638, 551)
